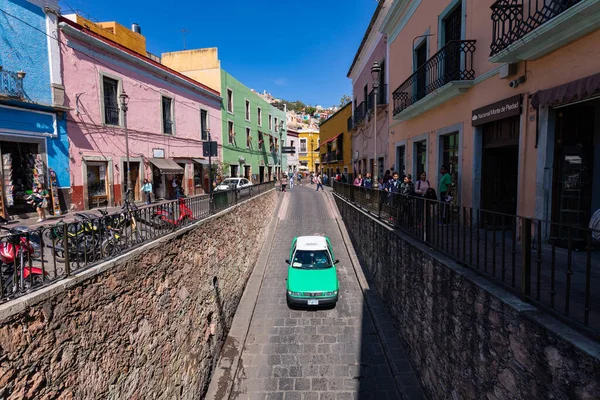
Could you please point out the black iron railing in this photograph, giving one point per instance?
(331, 156)
(350, 123)
(513, 19)
(11, 84)
(510, 249)
(359, 112)
(381, 97)
(454, 62)
(34, 258)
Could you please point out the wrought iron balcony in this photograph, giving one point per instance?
(350, 123)
(359, 112)
(330, 157)
(453, 62)
(11, 84)
(513, 19)
(381, 97)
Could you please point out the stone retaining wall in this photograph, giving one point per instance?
(149, 328)
(470, 339)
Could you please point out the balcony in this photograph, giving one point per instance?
(528, 29)
(359, 113)
(381, 97)
(447, 74)
(11, 84)
(330, 157)
(350, 124)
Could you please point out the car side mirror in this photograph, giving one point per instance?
(336, 261)
(287, 261)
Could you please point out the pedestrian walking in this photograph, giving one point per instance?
(358, 180)
(147, 189)
(319, 182)
(284, 180)
(445, 184)
(367, 182)
(291, 176)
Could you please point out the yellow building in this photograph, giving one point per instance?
(335, 152)
(202, 65)
(308, 153)
(116, 32)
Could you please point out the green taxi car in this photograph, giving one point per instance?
(312, 277)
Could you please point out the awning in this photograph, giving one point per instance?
(331, 140)
(200, 161)
(578, 90)
(166, 166)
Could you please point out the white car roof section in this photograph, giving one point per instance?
(311, 243)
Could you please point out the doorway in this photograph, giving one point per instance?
(22, 164)
(500, 166)
(573, 178)
(261, 174)
(452, 33)
(401, 160)
(247, 172)
(134, 167)
(420, 60)
(234, 170)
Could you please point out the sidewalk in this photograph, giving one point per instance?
(70, 216)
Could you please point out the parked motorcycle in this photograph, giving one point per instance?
(166, 217)
(16, 251)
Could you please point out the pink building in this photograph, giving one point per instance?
(169, 117)
(505, 95)
(370, 137)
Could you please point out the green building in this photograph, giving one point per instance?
(253, 130)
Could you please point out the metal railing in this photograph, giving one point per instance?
(513, 19)
(552, 270)
(331, 156)
(381, 97)
(359, 112)
(11, 84)
(33, 258)
(350, 123)
(453, 62)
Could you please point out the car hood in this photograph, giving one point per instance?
(312, 280)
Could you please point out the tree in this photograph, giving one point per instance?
(310, 110)
(345, 100)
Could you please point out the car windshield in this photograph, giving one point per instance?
(308, 259)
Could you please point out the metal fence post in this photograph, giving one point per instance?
(66, 249)
(526, 256)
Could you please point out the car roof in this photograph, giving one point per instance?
(311, 243)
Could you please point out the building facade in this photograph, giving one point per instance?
(253, 131)
(293, 142)
(33, 130)
(369, 123)
(335, 150)
(168, 118)
(308, 152)
(505, 97)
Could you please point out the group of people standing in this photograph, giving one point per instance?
(294, 177)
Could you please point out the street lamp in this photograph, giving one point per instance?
(312, 152)
(124, 101)
(375, 72)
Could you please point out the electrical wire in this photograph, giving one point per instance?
(241, 109)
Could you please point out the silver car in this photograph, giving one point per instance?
(234, 183)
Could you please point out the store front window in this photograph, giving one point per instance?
(450, 155)
(22, 169)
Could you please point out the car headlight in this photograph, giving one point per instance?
(330, 293)
(294, 293)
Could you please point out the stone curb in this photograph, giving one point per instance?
(376, 310)
(20, 304)
(224, 374)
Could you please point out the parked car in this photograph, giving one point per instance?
(312, 276)
(234, 183)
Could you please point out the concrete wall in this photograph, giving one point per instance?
(468, 338)
(149, 327)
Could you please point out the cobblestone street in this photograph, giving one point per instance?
(320, 354)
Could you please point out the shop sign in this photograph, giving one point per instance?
(158, 153)
(499, 110)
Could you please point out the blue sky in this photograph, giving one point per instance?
(297, 50)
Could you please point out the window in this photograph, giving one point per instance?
(291, 143)
(203, 125)
(276, 126)
(260, 140)
(270, 122)
(247, 110)
(259, 112)
(230, 101)
(421, 157)
(231, 132)
(111, 104)
(167, 115)
(248, 138)
(276, 145)
(302, 145)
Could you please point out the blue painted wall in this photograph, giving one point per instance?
(24, 47)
